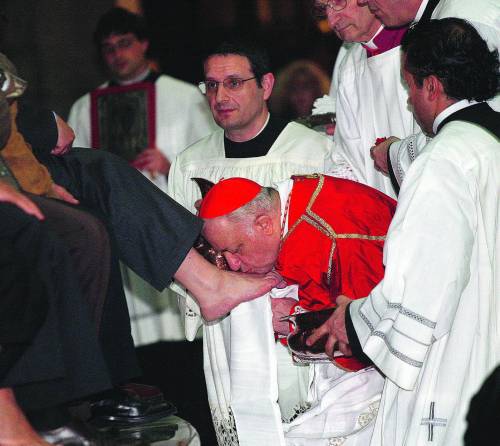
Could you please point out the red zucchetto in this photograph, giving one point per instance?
(228, 195)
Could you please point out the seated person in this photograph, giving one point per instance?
(326, 236)
(23, 307)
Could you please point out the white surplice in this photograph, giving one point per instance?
(432, 324)
(182, 117)
(371, 103)
(484, 15)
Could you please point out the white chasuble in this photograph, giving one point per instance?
(432, 325)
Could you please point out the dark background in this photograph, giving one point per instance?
(50, 41)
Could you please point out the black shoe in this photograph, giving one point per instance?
(131, 405)
(73, 434)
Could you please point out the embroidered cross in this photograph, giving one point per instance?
(431, 422)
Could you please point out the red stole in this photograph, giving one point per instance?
(334, 244)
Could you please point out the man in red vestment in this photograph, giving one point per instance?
(324, 234)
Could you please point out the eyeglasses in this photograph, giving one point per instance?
(11, 85)
(230, 83)
(121, 44)
(320, 7)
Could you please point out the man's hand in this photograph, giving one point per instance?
(281, 308)
(62, 194)
(153, 161)
(379, 152)
(65, 137)
(9, 194)
(334, 328)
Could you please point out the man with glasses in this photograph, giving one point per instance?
(252, 144)
(369, 91)
(394, 157)
(182, 117)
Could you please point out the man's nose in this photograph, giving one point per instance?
(221, 94)
(233, 261)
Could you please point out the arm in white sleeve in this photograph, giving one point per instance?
(402, 153)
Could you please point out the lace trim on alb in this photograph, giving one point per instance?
(225, 429)
(299, 409)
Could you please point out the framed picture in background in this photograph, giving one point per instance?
(123, 119)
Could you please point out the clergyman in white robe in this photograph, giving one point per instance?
(432, 324)
(484, 15)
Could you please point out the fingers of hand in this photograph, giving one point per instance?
(345, 349)
(316, 335)
(330, 346)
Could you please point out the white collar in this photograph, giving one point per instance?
(136, 79)
(420, 11)
(464, 103)
(371, 44)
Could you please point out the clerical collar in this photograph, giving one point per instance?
(260, 131)
(420, 11)
(141, 77)
(384, 40)
(371, 43)
(464, 103)
(260, 144)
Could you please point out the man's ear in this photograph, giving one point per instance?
(264, 223)
(433, 87)
(267, 83)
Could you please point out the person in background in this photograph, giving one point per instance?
(181, 117)
(297, 86)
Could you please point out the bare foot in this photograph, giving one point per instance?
(234, 288)
(218, 292)
(15, 429)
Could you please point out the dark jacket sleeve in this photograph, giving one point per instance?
(38, 126)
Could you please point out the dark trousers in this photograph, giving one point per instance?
(67, 360)
(152, 233)
(87, 243)
(23, 293)
(99, 278)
